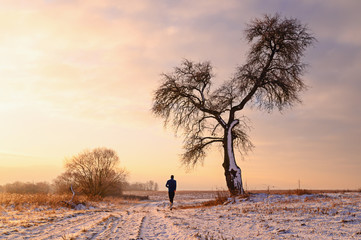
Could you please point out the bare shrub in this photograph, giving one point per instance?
(94, 173)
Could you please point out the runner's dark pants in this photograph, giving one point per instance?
(171, 196)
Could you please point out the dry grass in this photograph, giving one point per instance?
(120, 200)
(220, 198)
(316, 205)
(26, 201)
(21, 202)
(302, 191)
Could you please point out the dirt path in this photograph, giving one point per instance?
(152, 220)
(319, 216)
(157, 224)
(53, 228)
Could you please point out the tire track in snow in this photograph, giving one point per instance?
(124, 224)
(156, 225)
(140, 231)
(70, 225)
(151, 220)
(103, 229)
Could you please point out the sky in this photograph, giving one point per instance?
(77, 75)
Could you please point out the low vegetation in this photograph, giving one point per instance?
(138, 186)
(221, 197)
(27, 188)
(264, 216)
(302, 191)
(95, 173)
(30, 201)
(24, 202)
(224, 197)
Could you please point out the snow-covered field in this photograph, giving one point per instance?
(262, 216)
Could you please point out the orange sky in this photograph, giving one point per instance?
(77, 75)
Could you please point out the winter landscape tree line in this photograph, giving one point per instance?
(95, 173)
(46, 187)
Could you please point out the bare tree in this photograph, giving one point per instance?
(270, 78)
(94, 173)
(63, 182)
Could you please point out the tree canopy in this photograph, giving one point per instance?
(94, 173)
(270, 78)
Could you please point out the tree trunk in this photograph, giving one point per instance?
(231, 171)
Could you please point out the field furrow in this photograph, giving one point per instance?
(66, 227)
(263, 216)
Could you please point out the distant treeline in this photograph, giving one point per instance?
(45, 187)
(94, 173)
(148, 186)
(27, 188)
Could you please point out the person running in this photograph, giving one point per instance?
(172, 187)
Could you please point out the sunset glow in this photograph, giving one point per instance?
(78, 75)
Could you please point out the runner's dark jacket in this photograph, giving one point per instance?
(171, 185)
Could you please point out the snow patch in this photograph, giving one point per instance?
(262, 216)
(232, 161)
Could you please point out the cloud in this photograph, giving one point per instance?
(92, 62)
(104, 57)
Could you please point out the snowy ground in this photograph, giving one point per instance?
(316, 216)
